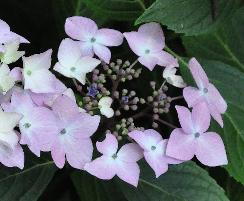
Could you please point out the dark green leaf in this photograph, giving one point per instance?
(184, 182)
(226, 45)
(235, 190)
(89, 188)
(191, 17)
(27, 184)
(230, 83)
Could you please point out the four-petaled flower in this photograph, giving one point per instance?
(36, 74)
(192, 139)
(71, 62)
(73, 135)
(206, 92)
(113, 162)
(154, 147)
(147, 43)
(93, 40)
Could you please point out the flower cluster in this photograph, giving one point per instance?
(40, 111)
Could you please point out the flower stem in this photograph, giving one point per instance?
(133, 64)
(177, 98)
(162, 85)
(166, 123)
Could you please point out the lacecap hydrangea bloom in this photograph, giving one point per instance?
(98, 105)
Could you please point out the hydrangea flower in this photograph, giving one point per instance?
(6, 80)
(147, 43)
(104, 105)
(154, 147)
(192, 139)
(7, 36)
(93, 40)
(38, 124)
(113, 162)
(11, 53)
(206, 92)
(71, 62)
(37, 76)
(173, 79)
(11, 153)
(74, 131)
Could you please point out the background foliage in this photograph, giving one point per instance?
(211, 30)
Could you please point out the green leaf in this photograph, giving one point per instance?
(229, 82)
(225, 45)
(27, 184)
(122, 10)
(184, 182)
(89, 188)
(191, 17)
(99, 10)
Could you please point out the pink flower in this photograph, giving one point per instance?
(192, 139)
(93, 40)
(206, 92)
(37, 126)
(74, 132)
(113, 162)
(11, 153)
(154, 147)
(147, 43)
(37, 76)
(7, 36)
(71, 62)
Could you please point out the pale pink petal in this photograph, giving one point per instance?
(16, 74)
(38, 129)
(165, 59)
(43, 81)
(4, 27)
(103, 167)
(146, 139)
(58, 154)
(130, 153)
(210, 150)
(128, 172)
(192, 96)
(149, 61)
(78, 151)
(14, 159)
(102, 52)
(69, 52)
(86, 64)
(185, 118)
(65, 109)
(108, 146)
(198, 74)
(135, 41)
(180, 145)
(80, 28)
(84, 126)
(38, 61)
(216, 114)
(156, 162)
(86, 48)
(109, 37)
(215, 98)
(201, 117)
(155, 32)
